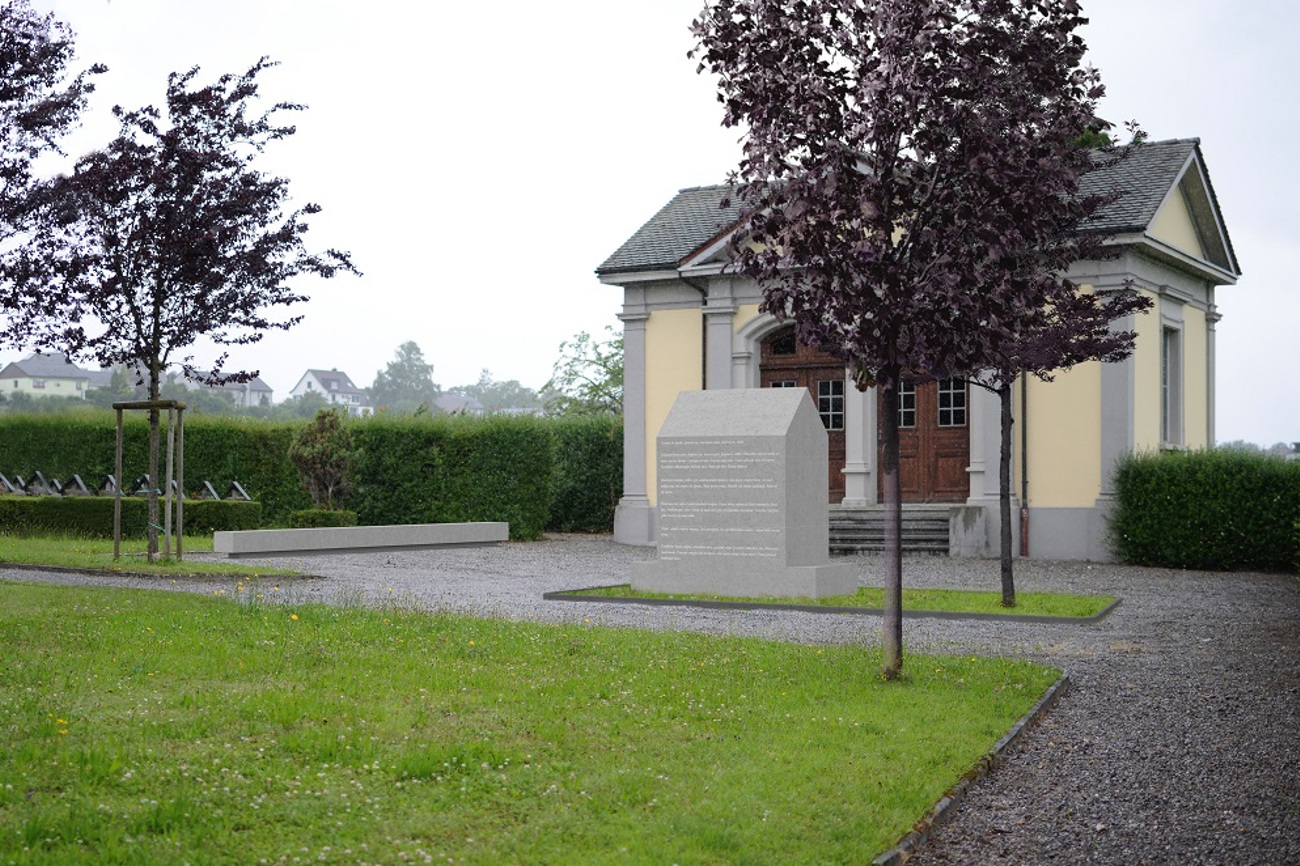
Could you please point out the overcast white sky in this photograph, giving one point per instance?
(480, 160)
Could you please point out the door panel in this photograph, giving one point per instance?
(934, 451)
(787, 363)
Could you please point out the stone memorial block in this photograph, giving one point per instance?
(742, 496)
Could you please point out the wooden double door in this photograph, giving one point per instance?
(933, 440)
(934, 433)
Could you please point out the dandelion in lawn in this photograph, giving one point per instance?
(293, 616)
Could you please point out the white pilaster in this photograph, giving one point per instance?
(859, 446)
(718, 330)
(634, 517)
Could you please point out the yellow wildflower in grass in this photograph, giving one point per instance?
(293, 616)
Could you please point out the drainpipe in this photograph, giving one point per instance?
(1024, 466)
(704, 329)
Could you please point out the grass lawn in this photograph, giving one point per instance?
(158, 727)
(96, 554)
(948, 600)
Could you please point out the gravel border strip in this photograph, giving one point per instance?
(919, 835)
(568, 595)
(91, 573)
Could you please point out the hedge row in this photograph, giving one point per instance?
(455, 470)
(588, 479)
(218, 450)
(92, 516)
(1217, 510)
(537, 474)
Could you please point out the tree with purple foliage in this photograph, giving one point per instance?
(1071, 328)
(897, 156)
(39, 103)
(167, 235)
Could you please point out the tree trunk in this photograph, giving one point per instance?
(152, 495)
(892, 640)
(1004, 495)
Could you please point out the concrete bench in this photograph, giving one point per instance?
(350, 539)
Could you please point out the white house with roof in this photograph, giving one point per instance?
(49, 375)
(457, 404)
(337, 388)
(245, 395)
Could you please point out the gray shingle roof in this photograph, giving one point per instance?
(1145, 176)
(694, 217)
(342, 384)
(53, 365)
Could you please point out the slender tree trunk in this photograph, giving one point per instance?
(152, 496)
(892, 640)
(1004, 496)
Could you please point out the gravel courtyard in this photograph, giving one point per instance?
(1178, 741)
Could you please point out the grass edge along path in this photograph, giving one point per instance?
(153, 727)
(96, 554)
(1030, 606)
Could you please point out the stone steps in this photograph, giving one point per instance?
(862, 530)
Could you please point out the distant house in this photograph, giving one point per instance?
(337, 389)
(245, 395)
(47, 375)
(456, 404)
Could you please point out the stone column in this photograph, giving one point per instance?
(978, 533)
(986, 444)
(634, 517)
(1212, 318)
(859, 446)
(1118, 396)
(718, 330)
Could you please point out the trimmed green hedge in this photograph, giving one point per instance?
(92, 516)
(217, 449)
(537, 474)
(588, 480)
(1214, 510)
(455, 470)
(322, 518)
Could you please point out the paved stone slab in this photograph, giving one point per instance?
(263, 542)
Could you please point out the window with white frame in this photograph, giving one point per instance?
(784, 383)
(830, 403)
(1171, 386)
(952, 403)
(906, 404)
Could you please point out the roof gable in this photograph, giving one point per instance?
(54, 365)
(333, 380)
(692, 219)
(1148, 175)
(1174, 225)
(1156, 180)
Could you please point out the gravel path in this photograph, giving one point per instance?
(1178, 742)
